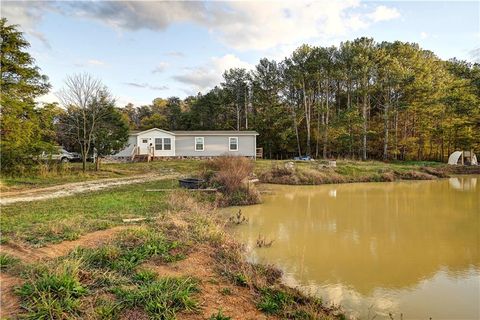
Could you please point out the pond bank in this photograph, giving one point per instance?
(292, 173)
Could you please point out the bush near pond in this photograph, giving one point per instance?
(231, 175)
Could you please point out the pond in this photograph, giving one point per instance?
(376, 248)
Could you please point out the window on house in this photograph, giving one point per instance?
(167, 144)
(158, 144)
(233, 143)
(144, 140)
(199, 143)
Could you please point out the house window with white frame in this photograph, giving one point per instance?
(199, 143)
(233, 143)
(167, 144)
(158, 144)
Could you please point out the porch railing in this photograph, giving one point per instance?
(259, 153)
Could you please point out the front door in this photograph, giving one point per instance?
(143, 144)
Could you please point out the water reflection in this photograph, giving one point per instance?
(463, 183)
(394, 247)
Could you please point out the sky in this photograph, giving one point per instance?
(142, 50)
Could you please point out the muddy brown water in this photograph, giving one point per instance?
(408, 248)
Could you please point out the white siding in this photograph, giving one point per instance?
(149, 137)
(214, 145)
(127, 151)
(183, 145)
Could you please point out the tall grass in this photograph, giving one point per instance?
(162, 298)
(314, 174)
(231, 174)
(110, 280)
(54, 294)
(130, 249)
(7, 262)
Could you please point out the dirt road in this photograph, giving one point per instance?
(8, 198)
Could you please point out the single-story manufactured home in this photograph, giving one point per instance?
(161, 143)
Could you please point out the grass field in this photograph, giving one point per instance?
(60, 174)
(72, 172)
(55, 220)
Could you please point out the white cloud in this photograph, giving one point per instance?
(48, 98)
(383, 13)
(475, 55)
(174, 54)
(122, 101)
(423, 35)
(90, 63)
(243, 25)
(263, 25)
(27, 14)
(94, 62)
(160, 67)
(145, 85)
(207, 76)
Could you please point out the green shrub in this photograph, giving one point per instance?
(240, 280)
(273, 301)
(226, 291)
(161, 299)
(230, 175)
(53, 295)
(240, 197)
(130, 249)
(145, 276)
(7, 261)
(107, 309)
(219, 316)
(106, 278)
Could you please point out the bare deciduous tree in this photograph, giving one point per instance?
(80, 97)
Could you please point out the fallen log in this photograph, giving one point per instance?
(134, 219)
(164, 190)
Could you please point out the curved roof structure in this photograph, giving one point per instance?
(455, 156)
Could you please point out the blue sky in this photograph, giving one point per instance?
(147, 49)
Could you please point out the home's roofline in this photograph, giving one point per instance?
(199, 132)
(153, 129)
(214, 132)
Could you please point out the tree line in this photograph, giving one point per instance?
(360, 100)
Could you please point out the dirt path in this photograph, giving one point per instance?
(8, 299)
(69, 189)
